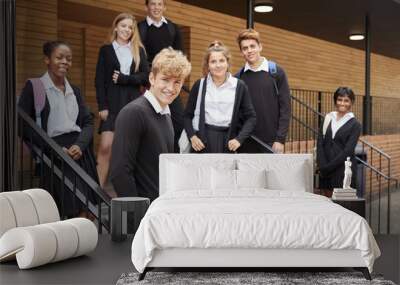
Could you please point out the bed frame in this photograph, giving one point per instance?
(242, 259)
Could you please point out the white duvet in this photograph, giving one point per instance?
(250, 219)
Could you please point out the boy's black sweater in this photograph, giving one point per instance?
(141, 135)
(273, 111)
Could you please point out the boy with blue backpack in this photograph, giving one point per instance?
(270, 94)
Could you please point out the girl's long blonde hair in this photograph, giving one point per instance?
(136, 43)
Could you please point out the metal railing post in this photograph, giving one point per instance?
(250, 14)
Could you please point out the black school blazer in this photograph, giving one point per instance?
(106, 64)
(332, 153)
(243, 118)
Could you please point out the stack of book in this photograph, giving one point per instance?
(344, 194)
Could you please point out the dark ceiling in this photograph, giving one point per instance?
(331, 20)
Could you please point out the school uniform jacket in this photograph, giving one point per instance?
(243, 117)
(332, 153)
(106, 64)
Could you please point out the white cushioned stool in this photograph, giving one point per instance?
(31, 230)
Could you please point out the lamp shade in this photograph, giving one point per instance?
(263, 6)
(356, 37)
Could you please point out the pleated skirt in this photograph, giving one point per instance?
(67, 203)
(216, 140)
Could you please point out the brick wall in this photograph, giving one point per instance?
(310, 63)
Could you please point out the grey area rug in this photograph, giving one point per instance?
(233, 278)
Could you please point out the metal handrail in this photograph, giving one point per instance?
(263, 144)
(55, 149)
(307, 106)
(374, 169)
(375, 148)
(58, 172)
(305, 125)
(67, 159)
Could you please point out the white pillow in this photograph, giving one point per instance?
(227, 179)
(223, 179)
(290, 178)
(182, 177)
(251, 178)
(281, 174)
(189, 175)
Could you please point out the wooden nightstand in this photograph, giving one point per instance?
(355, 205)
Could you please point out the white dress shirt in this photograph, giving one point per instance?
(219, 101)
(156, 106)
(263, 66)
(150, 21)
(337, 124)
(124, 55)
(64, 108)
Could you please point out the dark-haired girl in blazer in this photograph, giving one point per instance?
(224, 117)
(122, 69)
(338, 142)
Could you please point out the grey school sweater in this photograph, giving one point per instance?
(141, 135)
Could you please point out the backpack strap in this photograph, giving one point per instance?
(272, 68)
(39, 96)
(273, 71)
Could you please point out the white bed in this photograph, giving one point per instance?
(247, 210)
